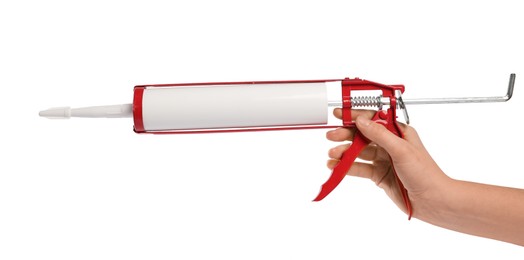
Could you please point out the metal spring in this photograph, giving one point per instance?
(366, 101)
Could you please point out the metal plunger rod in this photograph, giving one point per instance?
(427, 101)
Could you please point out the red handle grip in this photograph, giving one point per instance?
(343, 166)
(349, 156)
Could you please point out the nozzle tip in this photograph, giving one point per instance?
(56, 113)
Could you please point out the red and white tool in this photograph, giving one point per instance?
(264, 106)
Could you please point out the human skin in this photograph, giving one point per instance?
(473, 208)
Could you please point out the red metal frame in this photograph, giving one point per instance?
(386, 117)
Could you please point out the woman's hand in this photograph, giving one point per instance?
(416, 169)
(473, 208)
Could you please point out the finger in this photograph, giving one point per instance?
(336, 152)
(410, 135)
(364, 170)
(408, 131)
(340, 134)
(331, 163)
(368, 114)
(374, 153)
(337, 112)
(344, 134)
(377, 133)
(357, 169)
(370, 153)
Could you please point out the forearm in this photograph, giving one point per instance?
(477, 209)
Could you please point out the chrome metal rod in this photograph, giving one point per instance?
(427, 101)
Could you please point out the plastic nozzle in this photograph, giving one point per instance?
(114, 111)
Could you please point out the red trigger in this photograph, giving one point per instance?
(386, 118)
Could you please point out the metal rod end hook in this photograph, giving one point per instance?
(511, 85)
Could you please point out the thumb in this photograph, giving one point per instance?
(394, 145)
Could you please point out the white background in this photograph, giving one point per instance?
(93, 189)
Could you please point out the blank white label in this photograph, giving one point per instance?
(232, 106)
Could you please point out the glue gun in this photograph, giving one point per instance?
(218, 107)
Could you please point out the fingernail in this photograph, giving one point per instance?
(362, 121)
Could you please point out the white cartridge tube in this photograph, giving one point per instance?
(233, 106)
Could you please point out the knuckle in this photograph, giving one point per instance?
(408, 130)
(332, 153)
(378, 128)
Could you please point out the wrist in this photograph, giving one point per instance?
(435, 203)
